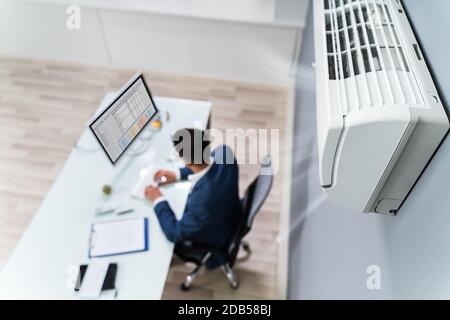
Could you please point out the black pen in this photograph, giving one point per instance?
(125, 211)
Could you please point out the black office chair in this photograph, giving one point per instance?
(254, 197)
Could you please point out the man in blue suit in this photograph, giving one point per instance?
(213, 207)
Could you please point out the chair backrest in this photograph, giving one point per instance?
(254, 197)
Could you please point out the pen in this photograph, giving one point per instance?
(125, 212)
(104, 212)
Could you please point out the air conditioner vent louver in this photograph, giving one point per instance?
(364, 49)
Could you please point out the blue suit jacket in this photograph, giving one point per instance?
(213, 207)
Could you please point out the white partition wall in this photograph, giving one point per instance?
(196, 46)
(184, 37)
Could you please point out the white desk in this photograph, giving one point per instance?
(56, 240)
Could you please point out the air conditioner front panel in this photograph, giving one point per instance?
(329, 120)
(329, 127)
(428, 131)
(370, 142)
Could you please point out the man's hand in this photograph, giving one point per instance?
(152, 193)
(163, 177)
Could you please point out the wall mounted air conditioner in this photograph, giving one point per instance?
(379, 115)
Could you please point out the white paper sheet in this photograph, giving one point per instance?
(93, 279)
(118, 236)
(145, 180)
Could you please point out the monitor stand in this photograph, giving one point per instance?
(141, 144)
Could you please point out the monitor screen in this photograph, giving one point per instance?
(121, 122)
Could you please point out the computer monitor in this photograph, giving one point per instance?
(124, 119)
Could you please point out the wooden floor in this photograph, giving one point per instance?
(43, 109)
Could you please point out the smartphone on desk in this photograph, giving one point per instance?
(110, 279)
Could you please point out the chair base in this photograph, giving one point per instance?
(248, 251)
(227, 270)
(231, 276)
(187, 283)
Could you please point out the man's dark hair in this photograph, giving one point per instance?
(192, 145)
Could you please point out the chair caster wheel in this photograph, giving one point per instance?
(234, 285)
(184, 287)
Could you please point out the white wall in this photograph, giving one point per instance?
(331, 246)
(39, 31)
(251, 47)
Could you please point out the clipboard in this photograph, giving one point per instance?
(118, 237)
